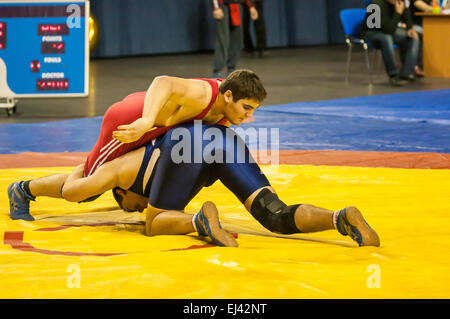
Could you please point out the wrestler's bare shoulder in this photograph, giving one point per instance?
(190, 97)
(127, 166)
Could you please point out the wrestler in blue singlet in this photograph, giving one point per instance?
(173, 184)
(138, 185)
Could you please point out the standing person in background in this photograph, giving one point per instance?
(228, 47)
(396, 27)
(260, 31)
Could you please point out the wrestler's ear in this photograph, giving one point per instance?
(228, 96)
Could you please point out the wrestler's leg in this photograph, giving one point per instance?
(21, 193)
(308, 218)
(252, 188)
(49, 186)
(161, 222)
(167, 222)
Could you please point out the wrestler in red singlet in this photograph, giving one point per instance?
(125, 112)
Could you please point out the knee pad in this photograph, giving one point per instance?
(273, 214)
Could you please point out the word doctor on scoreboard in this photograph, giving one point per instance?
(44, 50)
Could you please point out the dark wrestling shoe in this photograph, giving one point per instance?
(19, 202)
(208, 224)
(350, 222)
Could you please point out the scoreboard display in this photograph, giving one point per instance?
(44, 48)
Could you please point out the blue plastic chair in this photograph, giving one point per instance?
(352, 20)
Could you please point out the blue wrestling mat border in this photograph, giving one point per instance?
(402, 122)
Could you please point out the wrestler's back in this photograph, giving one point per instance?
(180, 109)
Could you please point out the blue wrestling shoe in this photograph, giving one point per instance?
(207, 224)
(350, 222)
(19, 202)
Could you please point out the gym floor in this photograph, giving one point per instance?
(290, 75)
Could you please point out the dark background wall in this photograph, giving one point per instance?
(140, 27)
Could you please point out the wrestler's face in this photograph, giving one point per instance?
(238, 111)
(132, 202)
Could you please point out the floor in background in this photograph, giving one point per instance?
(401, 122)
(290, 76)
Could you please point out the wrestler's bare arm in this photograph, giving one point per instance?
(120, 172)
(168, 101)
(185, 96)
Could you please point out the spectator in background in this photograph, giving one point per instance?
(229, 33)
(394, 13)
(260, 31)
(420, 6)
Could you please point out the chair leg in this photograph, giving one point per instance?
(378, 58)
(374, 63)
(349, 61)
(366, 53)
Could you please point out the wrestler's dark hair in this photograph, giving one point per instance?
(244, 84)
(118, 197)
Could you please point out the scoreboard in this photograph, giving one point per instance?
(44, 48)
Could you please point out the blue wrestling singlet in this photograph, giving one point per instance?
(190, 160)
(138, 185)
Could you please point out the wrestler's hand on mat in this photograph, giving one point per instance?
(132, 132)
(253, 13)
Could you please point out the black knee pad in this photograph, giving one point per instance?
(273, 214)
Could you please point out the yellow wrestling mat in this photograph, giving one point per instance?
(94, 250)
